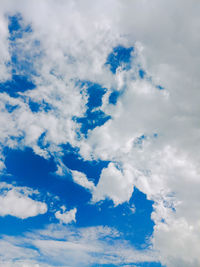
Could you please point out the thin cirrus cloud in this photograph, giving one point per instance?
(115, 104)
(73, 246)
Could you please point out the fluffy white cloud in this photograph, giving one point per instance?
(66, 216)
(81, 179)
(114, 184)
(15, 201)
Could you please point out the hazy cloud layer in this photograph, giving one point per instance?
(64, 246)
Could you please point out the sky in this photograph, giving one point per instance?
(99, 133)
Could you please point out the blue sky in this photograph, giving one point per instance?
(24, 168)
(98, 136)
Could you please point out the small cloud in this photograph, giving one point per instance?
(66, 217)
(81, 179)
(132, 208)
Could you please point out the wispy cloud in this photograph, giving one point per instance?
(69, 246)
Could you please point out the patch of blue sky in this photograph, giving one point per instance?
(16, 27)
(14, 24)
(92, 118)
(95, 93)
(36, 107)
(120, 57)
(17, 84)
(142, 73)
(29, 169)
(10, 108)
(19, 64)
(113, 97)
(42, 142)
(24, 163)
(74, 161)
(132, 219)
(10, 225)
(22, 69)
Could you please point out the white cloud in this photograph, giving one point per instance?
(81, 179)
(66, 216)
(67, 246)
(4, 57)
(114, 184)
(22, 264)
(15, 201)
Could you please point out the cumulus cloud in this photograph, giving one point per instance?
(114, 184)
(66, 216)
(15, 201)
(81, 179)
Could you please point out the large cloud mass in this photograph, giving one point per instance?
(152, 138)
